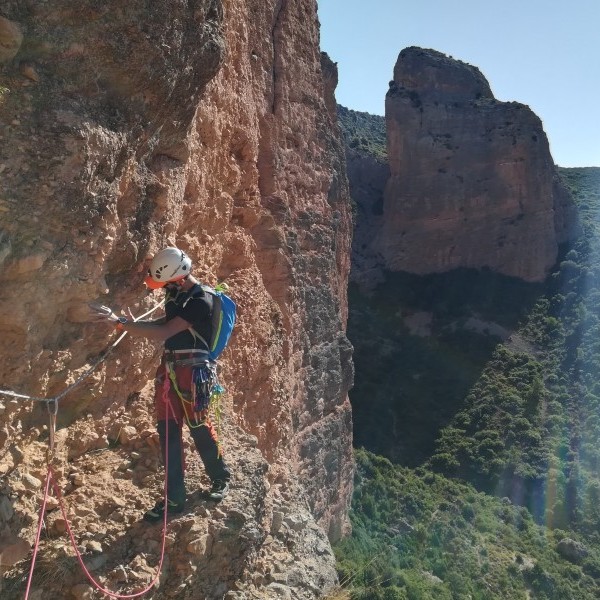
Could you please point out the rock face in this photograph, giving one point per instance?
(472, 182)
(209, 124)
(367, 176)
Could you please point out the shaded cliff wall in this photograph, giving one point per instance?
(204, 123)
(472, 182)
(367, 176)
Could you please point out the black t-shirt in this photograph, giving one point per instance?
(194, 306)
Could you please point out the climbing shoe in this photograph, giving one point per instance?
(157, 513)
(217, 492)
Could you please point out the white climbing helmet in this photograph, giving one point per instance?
(170, 264)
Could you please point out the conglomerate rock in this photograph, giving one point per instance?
(472, 182)
(124, 127)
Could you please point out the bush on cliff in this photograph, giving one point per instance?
(363, 132)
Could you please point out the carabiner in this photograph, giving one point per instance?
(52, 406)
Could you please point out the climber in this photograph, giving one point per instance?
(184, 329)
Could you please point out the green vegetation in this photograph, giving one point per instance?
(409, 385)
(363, 132)
(489, 388)
(419, 536)
(530, 426)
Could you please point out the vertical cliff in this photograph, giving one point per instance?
(210, 124)
(472, 182)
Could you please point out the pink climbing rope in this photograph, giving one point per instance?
(51, 479)
(39, 531)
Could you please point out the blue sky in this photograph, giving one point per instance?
(543, 53)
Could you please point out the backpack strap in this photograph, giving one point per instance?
(199, 337)
(182, 297)
(196, 291)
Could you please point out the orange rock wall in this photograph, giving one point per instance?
(204, 123)
(472, 182)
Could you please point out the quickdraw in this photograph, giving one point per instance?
(204, 379)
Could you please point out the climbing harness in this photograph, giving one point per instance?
(205, 390)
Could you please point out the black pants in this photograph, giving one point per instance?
(208, 449)
(172, 414)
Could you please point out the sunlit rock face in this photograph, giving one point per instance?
(211, 125)
(472, 182)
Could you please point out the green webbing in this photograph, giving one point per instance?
(173, 379)
(216, 336)
(214, 404)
